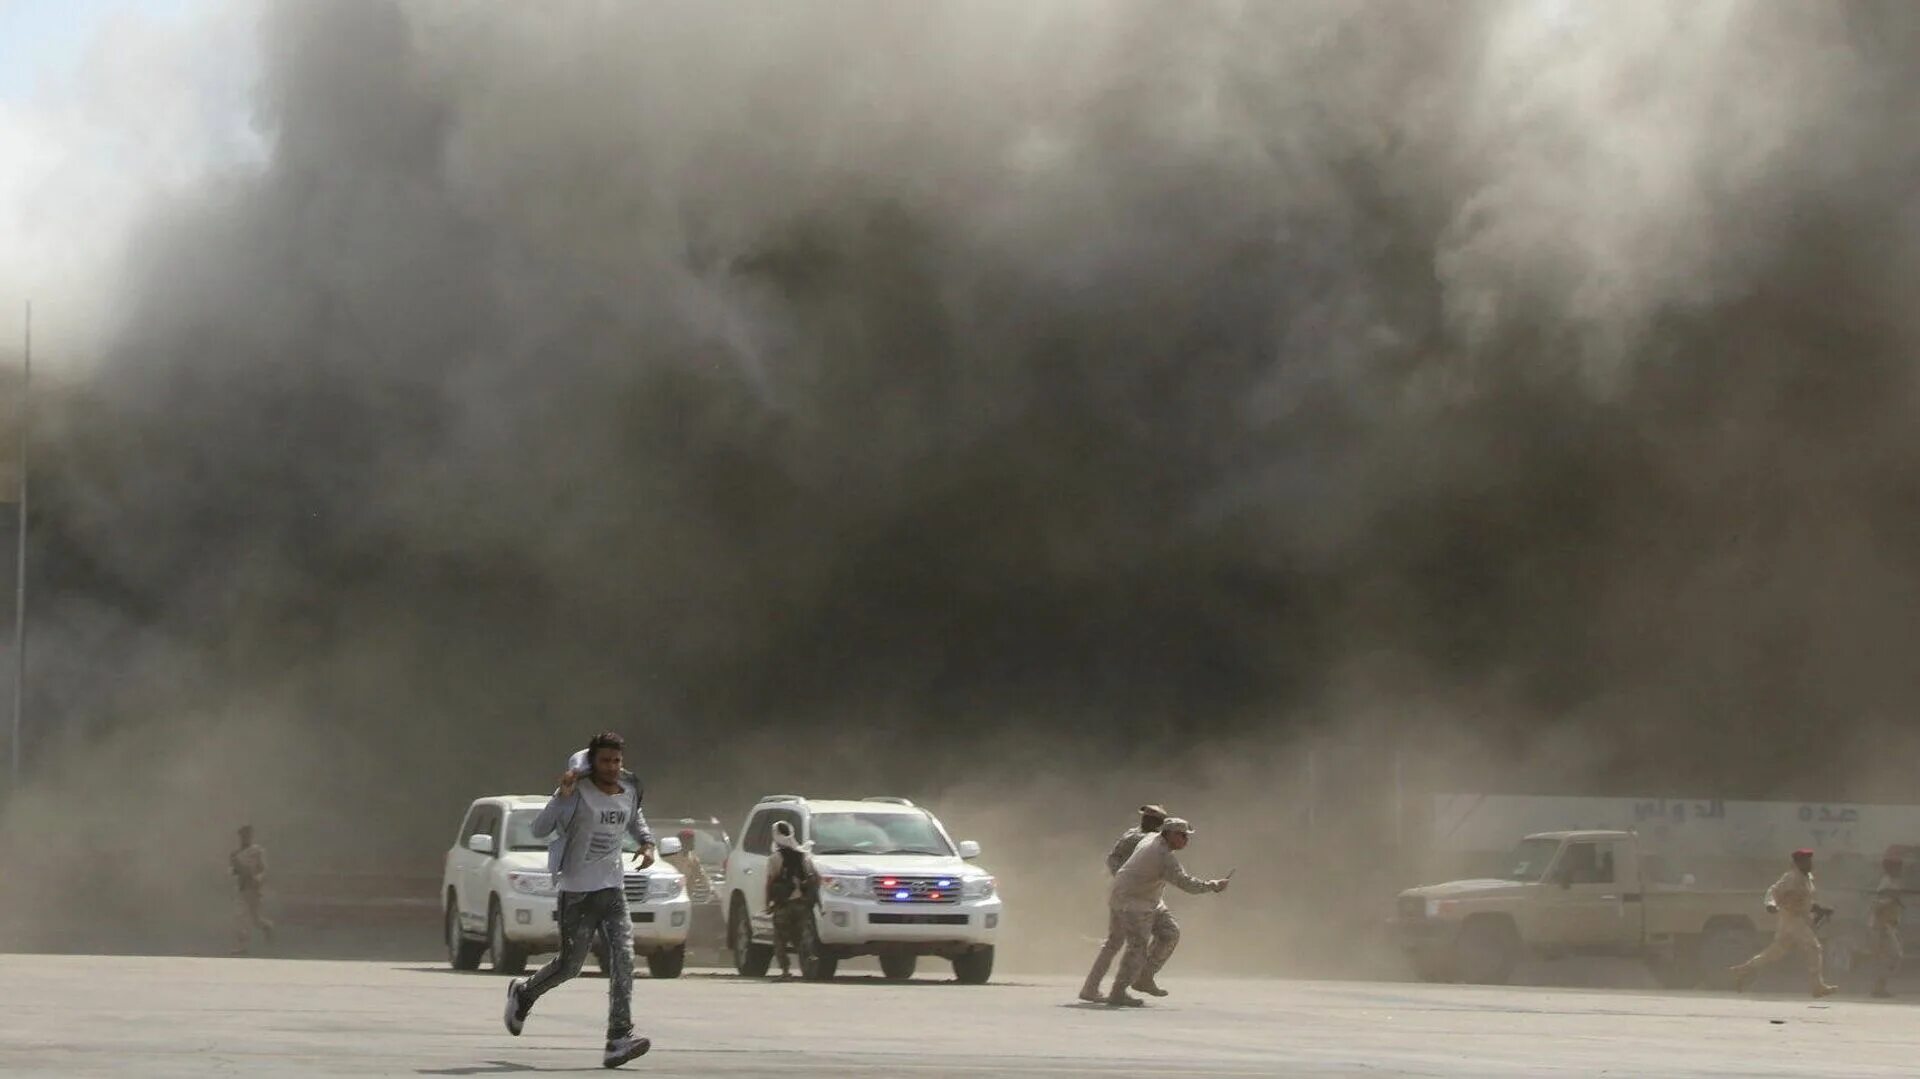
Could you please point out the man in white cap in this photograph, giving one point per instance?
(1137, 912)
(793, 891)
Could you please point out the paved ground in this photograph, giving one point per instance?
(88, 1015)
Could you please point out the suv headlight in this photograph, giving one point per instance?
(531, 883)
(845, 885)
(976, 888)
(659, 887)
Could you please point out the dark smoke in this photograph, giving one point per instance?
(938, 389)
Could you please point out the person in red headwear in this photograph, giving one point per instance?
(1791, 898)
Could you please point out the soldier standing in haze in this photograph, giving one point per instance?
(793, 891)
(248, 864)
(699, 885)
(1151, 818)
(1791, 898)
(1883, 921)
(1137, 912)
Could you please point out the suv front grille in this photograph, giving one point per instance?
(636, 887)
(917, 889)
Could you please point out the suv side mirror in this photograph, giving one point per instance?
(480, 843)
(669, 845)
(969, 850)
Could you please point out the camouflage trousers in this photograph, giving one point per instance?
(790, 925)
(584, 916)
(247, 917)
(1887, 953)
(1148, 937)
(1792, 935)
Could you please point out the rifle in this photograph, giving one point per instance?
(1819, 915)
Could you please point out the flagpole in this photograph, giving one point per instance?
(20, 562)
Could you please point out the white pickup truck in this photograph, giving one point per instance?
(893, 885)
(500, 900)
(1576, 893)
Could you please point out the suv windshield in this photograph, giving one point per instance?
(877, 833)
(1531, 858)
(520, 833)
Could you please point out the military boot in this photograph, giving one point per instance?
(1146, 985)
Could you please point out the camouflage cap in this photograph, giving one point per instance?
(1176, 826)
(1153, 811)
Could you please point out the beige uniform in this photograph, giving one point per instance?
(1883, 922)
(1137, 916)
(1117, 939)
(699, 885)
(1793, 895)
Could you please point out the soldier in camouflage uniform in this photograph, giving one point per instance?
(1883, 922)
(1791, 897)
(1151, 818)
(1137, 913)
(793, 891)
(248, 864)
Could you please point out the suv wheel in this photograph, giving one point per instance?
(462, 954)
(898, 968)
(975, 967)
(507, 958)
(667, 962)
(750, 960)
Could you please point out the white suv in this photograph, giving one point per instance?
(893, 885)
(500, 899)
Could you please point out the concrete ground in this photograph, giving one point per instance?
(96, 1015)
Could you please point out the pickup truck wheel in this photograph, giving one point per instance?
(898, 968)
(462, 954)
(1486, 952)
(507, 957)
(975, 967)
(668, 962)
(1722, 946)
(750, 960)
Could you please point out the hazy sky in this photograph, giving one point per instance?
(106, 105)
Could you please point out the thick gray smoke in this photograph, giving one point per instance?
(927, 390)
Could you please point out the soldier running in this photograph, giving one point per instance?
(248, 864)
(793, 891)
(1136, 912)
(1883, 922)
(1151, 818)
(1791, 897)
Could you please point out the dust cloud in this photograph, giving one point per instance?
(1032, 409)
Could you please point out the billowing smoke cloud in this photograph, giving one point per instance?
(915, 389)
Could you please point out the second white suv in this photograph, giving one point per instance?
(893, 885)
(500, 900)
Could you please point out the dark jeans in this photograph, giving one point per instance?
(583, 915)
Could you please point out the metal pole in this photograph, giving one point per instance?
(20, 561)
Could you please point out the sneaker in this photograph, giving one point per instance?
(1145, 985)
(515, 1015)
(1121, 1000)
(621, 1050)
(1092, 996)
(1824, 991)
